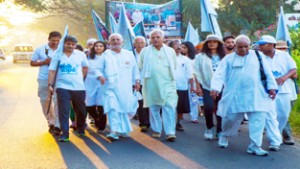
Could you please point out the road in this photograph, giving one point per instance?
(26, 143)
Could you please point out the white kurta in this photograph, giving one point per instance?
(92, 84)
(243, 90)
(119, 69)
(158, 73)
(183, 73)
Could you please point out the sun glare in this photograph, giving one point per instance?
(15, 14)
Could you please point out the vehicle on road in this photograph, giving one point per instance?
(22, 53)
(2, 55)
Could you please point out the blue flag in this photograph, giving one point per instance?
(102, 31)
(139, 29)
(113, 24)
(125, 29)
(192, 35)
(282, 29)
(209, 21)
(60, 48)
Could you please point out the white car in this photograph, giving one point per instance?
(2, 55)
(22, 53)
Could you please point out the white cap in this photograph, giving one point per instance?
(265, 39)
(91, 40)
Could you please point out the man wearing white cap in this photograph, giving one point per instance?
(283, 68)
(287, 131)
(238, 76)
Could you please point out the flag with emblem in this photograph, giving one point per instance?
(101, 30)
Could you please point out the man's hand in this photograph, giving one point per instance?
(50, 89)
(214, 94)
(272, 94)
(280, 81)
(47, 61)
(102, 80)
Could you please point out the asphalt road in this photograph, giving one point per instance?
(25, 142)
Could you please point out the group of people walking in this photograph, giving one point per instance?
(161, 82)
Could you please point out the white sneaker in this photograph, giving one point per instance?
(112, 136)
(257, 151)
(223, 142)
(274, 147)
(209, 134)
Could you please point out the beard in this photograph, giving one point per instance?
(229, 47)
(115, 46)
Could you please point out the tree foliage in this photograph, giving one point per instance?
(233, 15)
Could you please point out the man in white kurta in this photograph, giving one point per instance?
(119, 68)
(243, 92)
(157, 63)
(283, 68)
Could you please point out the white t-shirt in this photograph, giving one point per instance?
(41, 54)
(70, 75)
(281, 64)
(183, 72)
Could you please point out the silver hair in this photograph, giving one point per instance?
(140, 37)
(115, 34)
(242, 38)
(162, 33)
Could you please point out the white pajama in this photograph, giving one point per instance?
(283, 109)
(272, 126)
(231, 124)
(168, 118)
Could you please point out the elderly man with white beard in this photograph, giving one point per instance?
(118, 70)
(243, 92)
(158, 63)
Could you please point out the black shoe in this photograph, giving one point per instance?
(51, 129)
(136, 117)
(144, 129)
(179, 127)
(57, 131)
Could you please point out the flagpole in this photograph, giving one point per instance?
(132, 47)
(212, 27)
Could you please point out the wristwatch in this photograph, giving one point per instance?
(50, 85)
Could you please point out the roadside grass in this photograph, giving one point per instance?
(295, 114)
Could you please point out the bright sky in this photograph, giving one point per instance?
(15, 14)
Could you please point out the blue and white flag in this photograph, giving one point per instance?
(60, 48)
(101, 30)
(282, 29)
(125, 29)
(113, 24)
(139, 29)
(209, 16)
(192, 35)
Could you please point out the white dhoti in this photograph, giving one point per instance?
(119, 122)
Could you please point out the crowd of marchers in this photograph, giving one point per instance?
(159, 82)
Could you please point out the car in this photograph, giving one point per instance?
(22, 53)
(2, 55)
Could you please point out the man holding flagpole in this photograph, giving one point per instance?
(72, 68)
(42, 58)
